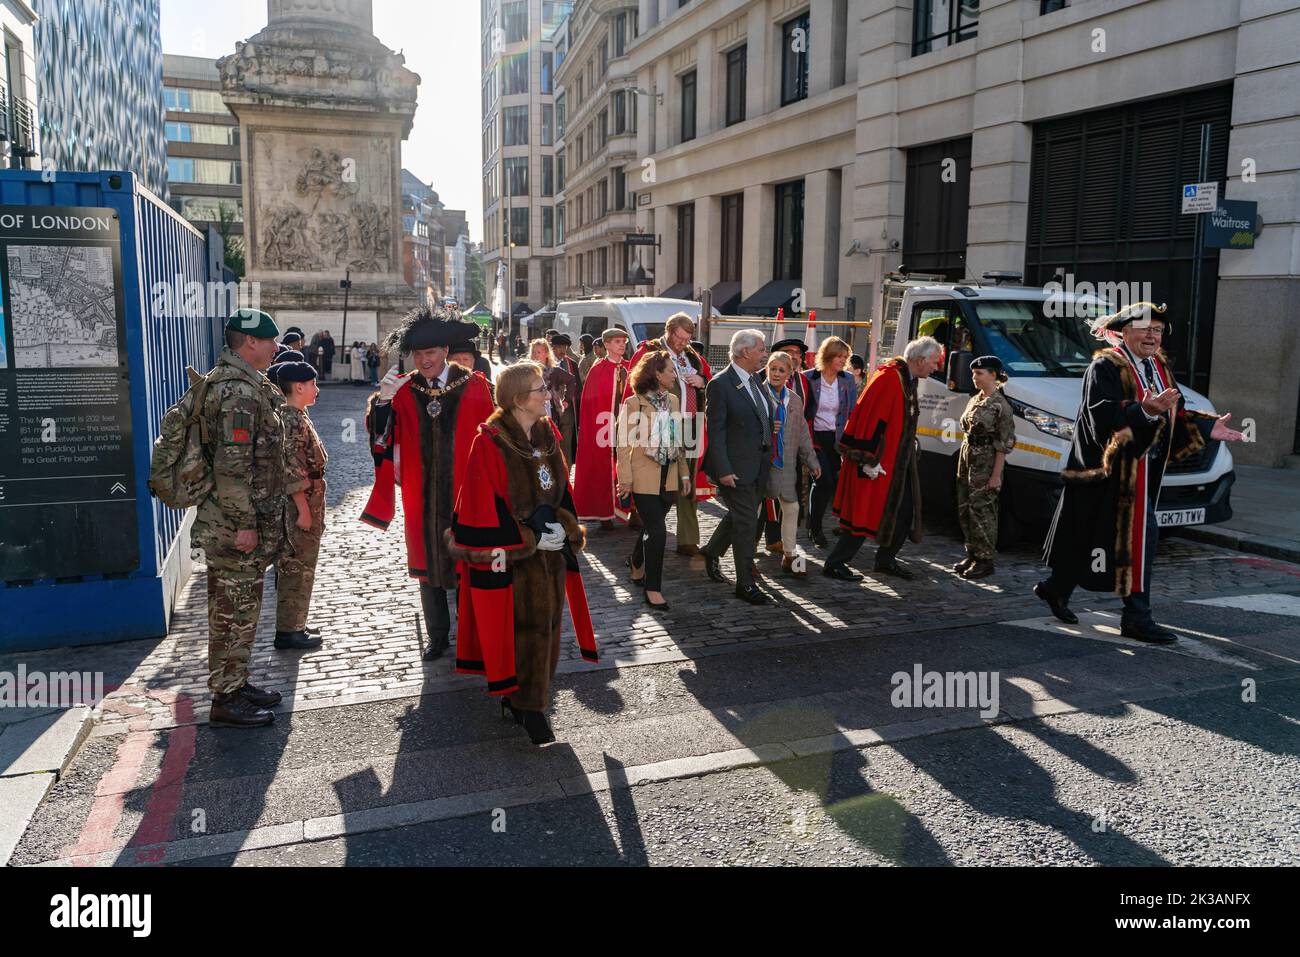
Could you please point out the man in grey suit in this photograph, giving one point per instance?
(738, 416)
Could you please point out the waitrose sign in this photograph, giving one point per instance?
(1231, 225)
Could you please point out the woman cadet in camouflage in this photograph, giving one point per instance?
(990, 437)
(305, 459)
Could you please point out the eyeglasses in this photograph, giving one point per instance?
(541, 388)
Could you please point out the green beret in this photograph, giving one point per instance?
(253, 322)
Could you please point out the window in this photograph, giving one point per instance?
(553, 15)
(548, 72)
(688, 106)
(516, 175)
(515, 119)
(794, 60)
(548, 124)
(561, 114)
(183, 100)
(559, 171)
(516, 73)
(620, 112)
(936, 207)
(202, 133)
(519, 225)
(208, 208)
(620, 34)
(514, 20)
(521, 279)
(736, 85)
(548, 226)
(559, 225)
(787, 261)
(602, 192)
(1051, 6)
(604, 56)
(580, 150)
(686, 243)
(602, 265)
(602, 127)
(214, 172)
(548, 279)
(548, 175)
(620, 188)
(941, 23)
(733, 231)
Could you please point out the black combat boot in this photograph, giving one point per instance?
(979, 568)
(296, 641)
(263, 699)
(233, 710)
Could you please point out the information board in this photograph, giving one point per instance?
(67, 483)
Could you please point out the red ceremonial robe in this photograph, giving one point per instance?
(403, 433)
(882, 422)
(494, 549)
(595, 476)
(703, 484)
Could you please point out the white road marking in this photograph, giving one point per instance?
(1104, 626)
(1268, 604)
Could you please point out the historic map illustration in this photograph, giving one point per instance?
(62, 302)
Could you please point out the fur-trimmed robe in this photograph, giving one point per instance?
(432, 455)
(1109, 477)
(594, 476)
(508, 623)
(881, 431)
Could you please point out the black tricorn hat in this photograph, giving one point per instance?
(799, 343)
(560, 339)
(422, 329)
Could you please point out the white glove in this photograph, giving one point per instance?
(871, 471)
(389, 385)
(553, 540)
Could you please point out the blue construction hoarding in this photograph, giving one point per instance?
(97, 277)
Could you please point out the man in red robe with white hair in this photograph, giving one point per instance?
(602, 394)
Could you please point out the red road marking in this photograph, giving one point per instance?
(1287, 568)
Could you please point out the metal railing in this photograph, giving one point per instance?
(17, 128)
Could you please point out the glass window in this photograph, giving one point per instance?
(788, 258)
(602, 127)
(548, 226)
(516, 168)
(514, 19)
(941, 23)
(620, 112)
(184, 100)
(521, 278)
(516, 125)
(736, 85)
(548, 175)
(620, 34)
(516, 73)
(559, 225)
(548, 72)
(561, 114)
(548, 124)
(519, 225)
(620, 188)
(215, 172)
(686, 243)
(733, 231)
(602, 193)
(688, 106)
(208, 208)
(794, 60)
(559, 171)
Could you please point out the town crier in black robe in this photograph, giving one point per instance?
(1132, 422)
(423, 425)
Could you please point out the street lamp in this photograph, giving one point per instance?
(346, 285)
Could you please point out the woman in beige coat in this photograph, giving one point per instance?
(793, 445)
(652, 465)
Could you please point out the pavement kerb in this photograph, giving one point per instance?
(372, 820)
(1244, 542)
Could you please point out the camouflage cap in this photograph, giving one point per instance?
(253, 322)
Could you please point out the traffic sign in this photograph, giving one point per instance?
(1200, 197)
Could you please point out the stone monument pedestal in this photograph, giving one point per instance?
(323, 108)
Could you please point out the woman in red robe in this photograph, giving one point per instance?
(514, 538)
(602, 394)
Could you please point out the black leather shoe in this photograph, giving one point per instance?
(263, 699)
(436, 648)
(979, 569)
(964, 564)
(235, 711)
(661, 606)
(1059, 608)
(713, 567)
(295, 640)
(752, 595)
(840, 573)
(538, 728)
(1149, 632)
(314, 632)
(817, 538)
(897, 569)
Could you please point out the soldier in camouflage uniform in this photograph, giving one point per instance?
(295, 573)
(241, 525)
(990, 437)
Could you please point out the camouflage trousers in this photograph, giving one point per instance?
(977, 510)
(295, 572)
(235, 583)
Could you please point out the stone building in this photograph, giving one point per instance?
(18, 108)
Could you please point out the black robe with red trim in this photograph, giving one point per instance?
(508, 621)
(1098, 537)
(432, 455)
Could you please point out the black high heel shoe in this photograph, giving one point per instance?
(661, 606)
(638, 582)
(508, 713)
(538, 728)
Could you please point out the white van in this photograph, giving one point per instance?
(640, 317)
(1045, 349)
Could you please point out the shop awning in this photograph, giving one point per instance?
(726, 297)
(777, 294)
(683, 290)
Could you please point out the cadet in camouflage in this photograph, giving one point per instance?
(241, 525)
(305, 459)
(990, 437)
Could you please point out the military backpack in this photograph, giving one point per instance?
(180, 473)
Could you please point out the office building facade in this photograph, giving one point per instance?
(203, 155)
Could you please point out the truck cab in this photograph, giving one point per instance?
(1045, 346)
